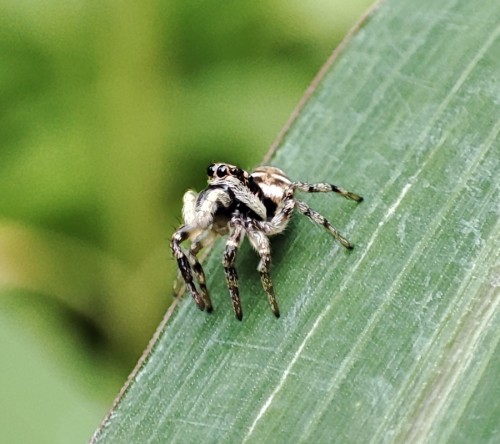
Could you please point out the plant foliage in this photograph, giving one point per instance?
(397, 340)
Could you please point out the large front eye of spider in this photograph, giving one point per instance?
(211, 170)
(222, 171)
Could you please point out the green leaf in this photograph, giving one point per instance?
(397, 340)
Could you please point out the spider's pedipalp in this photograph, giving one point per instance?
(189, 207)
(208, 203)
(316, 217)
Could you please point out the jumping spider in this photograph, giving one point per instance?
(237, 203)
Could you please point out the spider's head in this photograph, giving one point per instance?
(221, 171)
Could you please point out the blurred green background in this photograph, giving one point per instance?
(109, 112)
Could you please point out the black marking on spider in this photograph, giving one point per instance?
(238, 204)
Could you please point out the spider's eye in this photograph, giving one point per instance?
(222, 171)
(211, 170)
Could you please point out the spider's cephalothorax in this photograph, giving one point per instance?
(238, 204)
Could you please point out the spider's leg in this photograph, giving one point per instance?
(319, 219)
(203, 240)
(261, 243)
(281, 217)
(180, 236)
(324, 188)
(232, 245)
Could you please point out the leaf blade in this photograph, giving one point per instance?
(377, 344)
